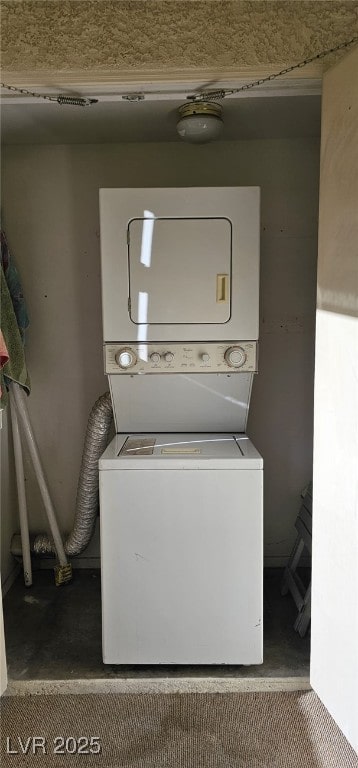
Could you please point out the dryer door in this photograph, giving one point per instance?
(180, 264)
(179, 270)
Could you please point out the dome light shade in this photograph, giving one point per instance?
(199, 122)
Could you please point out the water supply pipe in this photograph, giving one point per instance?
(21, 409)
(21, 494)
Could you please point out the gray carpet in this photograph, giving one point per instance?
(239, 730)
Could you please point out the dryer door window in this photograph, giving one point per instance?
(179, 270)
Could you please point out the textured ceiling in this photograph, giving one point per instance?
(63, 35)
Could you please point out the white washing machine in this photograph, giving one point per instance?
(181, 485)
(181, 538)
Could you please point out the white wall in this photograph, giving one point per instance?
(335, 481)
(50, 207)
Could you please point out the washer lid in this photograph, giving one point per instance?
(190, 451)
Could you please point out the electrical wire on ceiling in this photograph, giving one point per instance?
(79, 101)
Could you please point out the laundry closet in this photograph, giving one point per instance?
(55, 161)
(56, 188)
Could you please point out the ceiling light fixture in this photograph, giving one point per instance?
(200, 122)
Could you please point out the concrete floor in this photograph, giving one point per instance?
(55, 634)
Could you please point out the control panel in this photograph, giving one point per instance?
(205, 357)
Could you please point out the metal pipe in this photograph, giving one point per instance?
(32, 446)
(20, 482)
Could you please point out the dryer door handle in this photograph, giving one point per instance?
(222, 284)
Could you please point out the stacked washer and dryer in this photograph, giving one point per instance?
(181, 485)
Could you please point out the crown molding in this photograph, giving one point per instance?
(111, 85)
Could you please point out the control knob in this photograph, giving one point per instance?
(235, 357)
(155, 357)
(168, 357)
(126, 358)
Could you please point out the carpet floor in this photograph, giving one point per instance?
(238, 730)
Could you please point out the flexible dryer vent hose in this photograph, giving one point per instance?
(96, 441)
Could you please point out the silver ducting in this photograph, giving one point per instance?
(96, 441)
